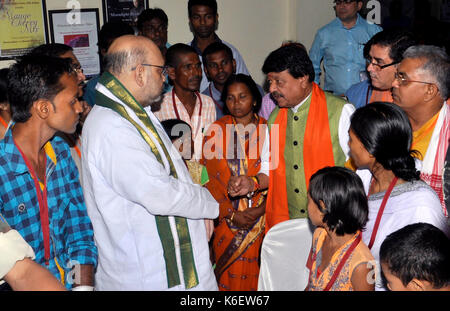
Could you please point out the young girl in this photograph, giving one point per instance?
(337, 206)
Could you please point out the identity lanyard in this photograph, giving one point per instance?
(43, 207)
(199, 111)
(341, 263)
(176, 109)
(380, 211)
(215, 102)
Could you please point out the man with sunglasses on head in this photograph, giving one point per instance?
(340, 45)
(148, 215)
(382, 52)
(421, 88)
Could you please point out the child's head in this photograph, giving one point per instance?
(416, 257)
(336, 199)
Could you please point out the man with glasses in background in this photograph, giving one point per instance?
(382, 52)
(148, 215)
(340, 45)
(421, 89)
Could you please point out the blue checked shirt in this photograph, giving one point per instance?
(71, 233)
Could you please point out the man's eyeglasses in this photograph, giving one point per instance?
(163, 68)
(403, 81)
(77, 69)
(369, 61)
(339, 2)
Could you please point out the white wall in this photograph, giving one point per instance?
(255, 27)
(311, 15)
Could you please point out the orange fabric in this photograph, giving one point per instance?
(317, 146)
(277, 207)
(317, 153)
(381, 96)
(242, 274)
(422, 137)
(3, 122)
(319, 279)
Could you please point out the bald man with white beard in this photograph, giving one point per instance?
(148, 215)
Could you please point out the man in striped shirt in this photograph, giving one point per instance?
(185, 102)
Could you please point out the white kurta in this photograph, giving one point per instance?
(125, 187)
(409, 203)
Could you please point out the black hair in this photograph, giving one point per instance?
(345, 202)
(111, 31)
(214, 48)
(398, 41)
(52, 49)
(209, 3)
(418, 251)
(385, 132)
(4, 85)
(149, 14)
(173, 53)
(34, 77)
(290, 57)
(250, 83)
(176, 128)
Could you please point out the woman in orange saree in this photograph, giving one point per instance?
(233, 147)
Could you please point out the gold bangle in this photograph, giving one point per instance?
(232, 216)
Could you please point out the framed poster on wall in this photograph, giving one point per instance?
(78, 29)
(23, 27)
(123, 10)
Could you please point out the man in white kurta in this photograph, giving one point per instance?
(128, 185)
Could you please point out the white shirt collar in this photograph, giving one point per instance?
(295, 108)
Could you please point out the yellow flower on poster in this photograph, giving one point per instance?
(22, 24)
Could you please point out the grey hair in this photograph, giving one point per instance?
(122, 61)
(437, 65)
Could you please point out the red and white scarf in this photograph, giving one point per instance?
(433, 162)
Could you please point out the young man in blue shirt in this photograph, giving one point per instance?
(340, 45)
(40, 192)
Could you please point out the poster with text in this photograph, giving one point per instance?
(22, 27)
(78, 29)
(124, 10)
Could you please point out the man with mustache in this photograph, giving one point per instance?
(421, 89)
(146, 212)
(203, 20)
(310, 128)
(184, 101)
(340, 45)
(383, 52)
